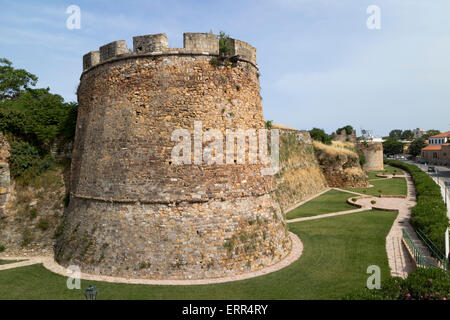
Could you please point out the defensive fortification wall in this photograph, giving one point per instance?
(300, 175)
(4, 172)
(132, 211)
(373, 152)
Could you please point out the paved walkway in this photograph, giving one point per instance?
(400, 261)
(50, 264)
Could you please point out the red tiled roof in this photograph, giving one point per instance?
(442, 135)
(432, 147)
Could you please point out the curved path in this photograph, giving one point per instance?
(50, 264)
(400, 261)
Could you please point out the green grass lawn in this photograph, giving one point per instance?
(337, 252)
(9, 261)
(330, 201)
(387, 169)
(394, 186)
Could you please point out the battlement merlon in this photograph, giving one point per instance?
(243, 49)
(91, 59)
(202, 42)
(113, 49)
(193, 43)
(150, 43)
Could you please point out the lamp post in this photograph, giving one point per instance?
(91, 292)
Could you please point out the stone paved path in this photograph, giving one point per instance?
(400, 261)
(50, 264)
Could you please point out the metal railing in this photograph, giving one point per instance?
(435, 251)
(417, 254)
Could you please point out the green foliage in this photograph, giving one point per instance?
(392, 146)
(362, 158)
(39, 117)
(43, 224)
(407, 135)
(348, 130)
(13, 81)
(421, 284)
(320, 135)
(26, 158)
(395, 134)
(33, 119)
(416, 146)
(2, 248)
(431, 133)
(430, 213)
(269, 124)
(224, 43)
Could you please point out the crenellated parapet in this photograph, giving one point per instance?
(158, 44)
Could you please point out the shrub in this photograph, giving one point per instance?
(354, 199)
(421, 284)
(2, 248)
(320, 135)
(430, 213)
(43, 224)
(373, 202)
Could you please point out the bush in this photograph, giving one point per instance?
(430, 213)
(43, 224)
(421, 284)
(2, 248)
(320, 135)
(373, 202)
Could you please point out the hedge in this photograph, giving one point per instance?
(421, 284)
(430, 212)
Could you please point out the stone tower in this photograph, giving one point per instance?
(132, 211)
(373, 152)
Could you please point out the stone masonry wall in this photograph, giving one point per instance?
(4, 172)
(300, 175)
(133, 212)
(373, 152)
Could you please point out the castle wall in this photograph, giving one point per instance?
(373, 152)
(132, 210)
(300, 175)
(4, 172)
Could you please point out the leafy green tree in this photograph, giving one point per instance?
(407, 135)
(416, 146)
(320, 135)
(13, 81)
(395, 134)
(392, 146)
(348, 129)
(430, 133)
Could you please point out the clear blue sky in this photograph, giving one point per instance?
(320, 65)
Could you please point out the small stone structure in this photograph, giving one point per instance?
(135, 213)
(344, 137)
(373, 152)
(4, 172)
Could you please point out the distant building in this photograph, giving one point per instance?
(418, 132)
(438, 149)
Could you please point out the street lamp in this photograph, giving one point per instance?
(91, 292)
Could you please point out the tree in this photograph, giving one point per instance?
(407, 135)
(395, 134)
(430, 133)
(348, 129)
(392, 146)
(416, 146)
(320, 135)
(13, 81)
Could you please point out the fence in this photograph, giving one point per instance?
(435, 251)
(418, 256)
